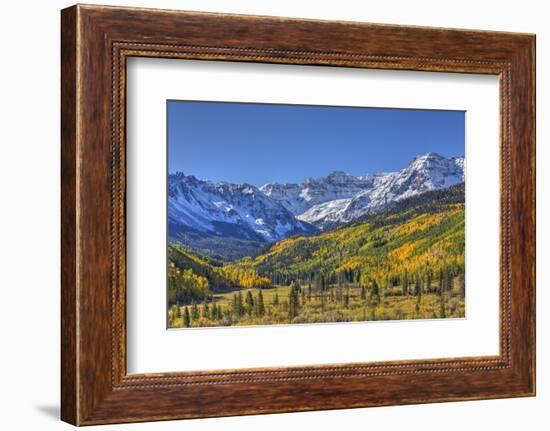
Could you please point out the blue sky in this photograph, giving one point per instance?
(261, 143)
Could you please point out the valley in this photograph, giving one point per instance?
(405, 261)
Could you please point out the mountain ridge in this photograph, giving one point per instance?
(370, 192)
(249, 216)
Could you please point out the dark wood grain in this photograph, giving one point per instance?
(69, 398)
(96, 41)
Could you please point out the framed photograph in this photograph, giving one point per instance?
(324, 214)
(267, 227)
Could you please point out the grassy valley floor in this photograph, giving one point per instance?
(338, 304)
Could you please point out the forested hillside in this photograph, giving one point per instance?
(195, 278)
(414, 237)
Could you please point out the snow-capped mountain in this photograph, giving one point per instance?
(340, 198)
(298, 198)
(223, 209)
(276, 211)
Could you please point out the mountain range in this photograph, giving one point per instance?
(234, 220)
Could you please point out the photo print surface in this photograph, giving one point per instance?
(301, 214)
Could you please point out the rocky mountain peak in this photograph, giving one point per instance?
(275, 211)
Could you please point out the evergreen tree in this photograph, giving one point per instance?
(238, 308)
(186, 318)
(240, 303)
(234, 306)
(449, 282)
(405, 284)
(194, 310)
(374, 294)
(293, 303)
(178, 311)
(205, 310)
(260, 307)
(442, 306)
(417, 287)
(214, 312)
(418, 293)
(249, 301)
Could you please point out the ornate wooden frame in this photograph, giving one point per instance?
(95, 42)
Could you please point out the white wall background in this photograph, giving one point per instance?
(29, 215)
